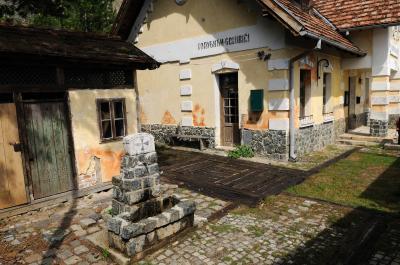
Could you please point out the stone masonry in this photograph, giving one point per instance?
(164, 133)
(268, 143)
(144, 213)
(378, 128)
(393, 118)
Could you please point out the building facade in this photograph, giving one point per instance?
(278, 76)
(66, 101)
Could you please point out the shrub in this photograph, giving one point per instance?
(241, 151)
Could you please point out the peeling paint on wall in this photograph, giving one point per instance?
(260, 121)
(199, 116)
(143, 116)
(110, 162)
(168, 119)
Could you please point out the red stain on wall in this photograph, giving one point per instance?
(110, 161)
(168, 119)
(260, 121)
(143, 117)
(199, 116)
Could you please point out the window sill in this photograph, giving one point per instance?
(306, 121)
(106, 141)
(306, 124)
(329, 119)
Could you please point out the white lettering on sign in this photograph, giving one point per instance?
(265, 34)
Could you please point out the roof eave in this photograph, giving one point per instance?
(384, 25)
(333, 43)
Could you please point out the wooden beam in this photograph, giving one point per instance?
(53, 200)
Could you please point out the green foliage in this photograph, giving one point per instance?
(241, 151)
(81, 15)
(105, 253)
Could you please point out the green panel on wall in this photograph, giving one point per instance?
(257, 100)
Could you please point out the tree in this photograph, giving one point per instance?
(82, 15)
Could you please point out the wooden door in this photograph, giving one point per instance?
(48, 148)
(12, 181)
(229, 109)
(352, 103)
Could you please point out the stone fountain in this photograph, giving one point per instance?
(145, 213)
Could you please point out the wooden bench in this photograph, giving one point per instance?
(190, 138)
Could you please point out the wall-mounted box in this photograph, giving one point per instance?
(257, 100)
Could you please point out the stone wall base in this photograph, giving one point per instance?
(378, 128)
(163, 133)
(268, 143)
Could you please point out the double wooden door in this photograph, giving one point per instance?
(47, 147)
(230, 131)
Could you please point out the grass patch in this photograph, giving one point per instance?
(255, 230)
(369, 179)
(256, 211)
(105, 253)
(223, 228)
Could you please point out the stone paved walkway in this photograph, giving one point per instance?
(57, 235)
(284, 230)
(387, 249)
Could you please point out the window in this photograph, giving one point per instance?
(366, 92)
(346, 98)
(112, 118)
(327, 93)
(305, 92)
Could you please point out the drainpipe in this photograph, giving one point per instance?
(138, 109)
(292, 132)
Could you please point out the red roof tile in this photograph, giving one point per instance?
(314, 24)
(347, 14)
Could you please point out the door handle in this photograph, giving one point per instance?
(17, 147)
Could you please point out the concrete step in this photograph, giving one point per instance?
(355, 137)
(391, 146)
(356, 142)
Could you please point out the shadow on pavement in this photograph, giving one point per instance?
(355, 238)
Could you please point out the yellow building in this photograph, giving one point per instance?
(277, 75)
(66, 101)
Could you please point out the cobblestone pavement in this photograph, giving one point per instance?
(284, 230)
(387, 249)
(57, 235)
(287, 230)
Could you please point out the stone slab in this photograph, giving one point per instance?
(139, 143)
(100, 240)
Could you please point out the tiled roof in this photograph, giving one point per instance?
(347, 14)
(314, 24)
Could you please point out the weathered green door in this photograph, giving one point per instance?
(48, 148)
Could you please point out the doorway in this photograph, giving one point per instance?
(48, 149)
(352, 104)
(230, 132)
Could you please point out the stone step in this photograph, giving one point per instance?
(355, 137)
(391, 146)
(357, 143)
